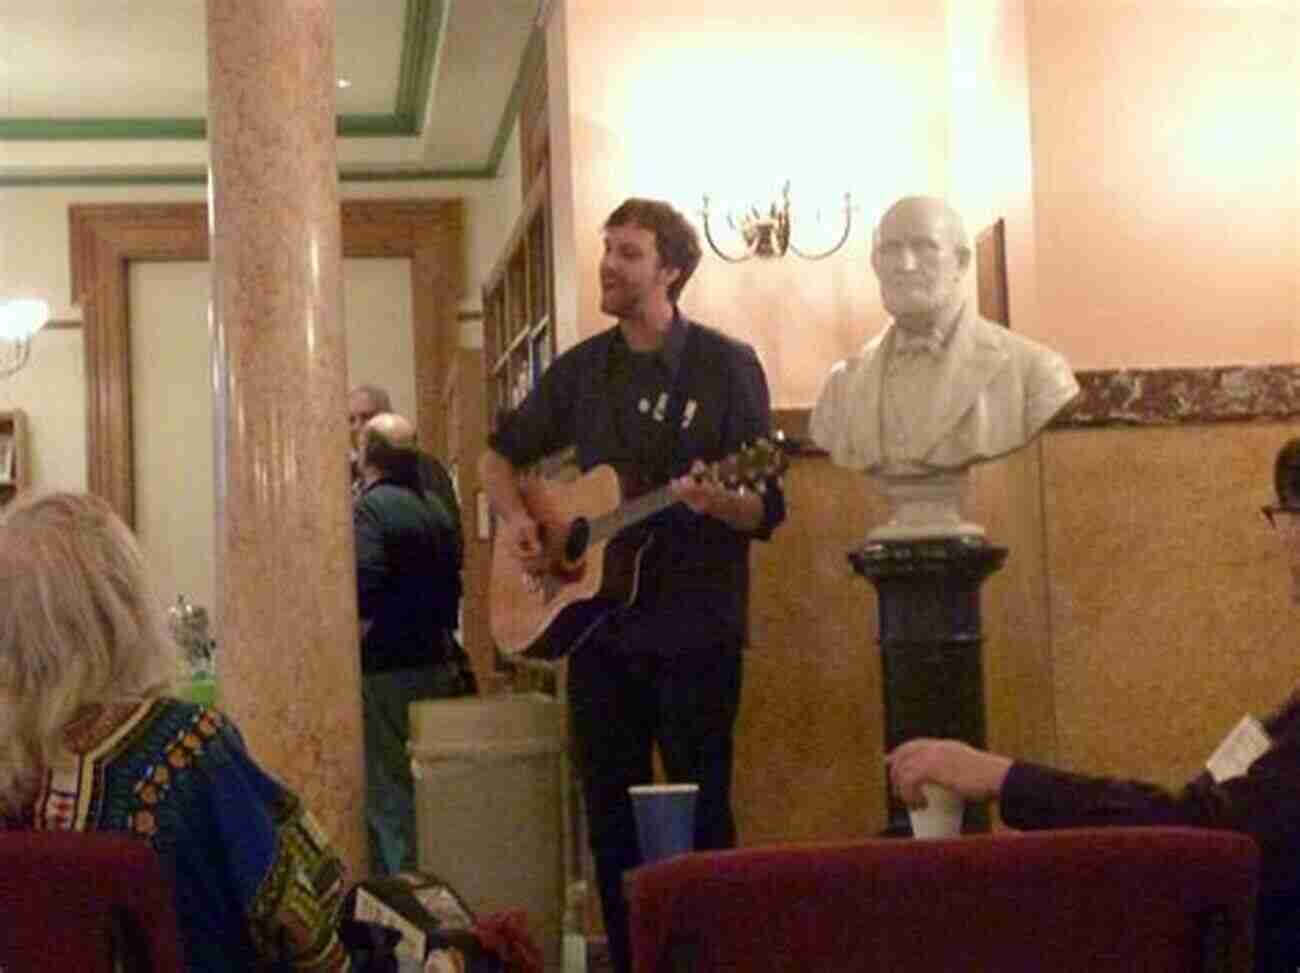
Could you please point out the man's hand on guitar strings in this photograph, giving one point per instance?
(525, 541)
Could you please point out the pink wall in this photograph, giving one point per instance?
(1165, 166)
(991, 175)
(1144, 158)
(662, 100)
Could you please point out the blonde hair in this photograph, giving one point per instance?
(79, 624)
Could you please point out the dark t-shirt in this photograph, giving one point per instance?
(650, 415)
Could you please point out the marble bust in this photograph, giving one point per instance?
(940, 389)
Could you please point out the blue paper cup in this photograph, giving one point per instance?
(665, 819)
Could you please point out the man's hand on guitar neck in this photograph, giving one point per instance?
(705, 495)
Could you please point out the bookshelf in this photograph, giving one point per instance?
(519, 306)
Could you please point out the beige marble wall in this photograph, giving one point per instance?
(809, 738)
(1170, 610)
(1006, 499)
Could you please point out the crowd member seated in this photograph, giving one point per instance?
(89, 741)
(1261, 799)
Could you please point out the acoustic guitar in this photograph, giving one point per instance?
(591, 566)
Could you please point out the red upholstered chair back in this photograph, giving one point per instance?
(1159, 900)
(69, 901)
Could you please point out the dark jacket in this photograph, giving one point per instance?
(407, 577)
(1263, 803)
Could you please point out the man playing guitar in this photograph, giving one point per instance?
(654, 396)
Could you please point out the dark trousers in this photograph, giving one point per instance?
(386, 698)
(621, 705)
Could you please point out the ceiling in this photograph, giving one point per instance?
(114, 91)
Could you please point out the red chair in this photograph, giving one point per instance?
(1159, 900)
(74, 902)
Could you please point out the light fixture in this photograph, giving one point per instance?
(19, 321)
(767, 234)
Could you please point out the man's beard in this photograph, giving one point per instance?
(619, 301)
(913, 304)
(921, 298)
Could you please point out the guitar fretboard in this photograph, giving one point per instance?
(631, 512)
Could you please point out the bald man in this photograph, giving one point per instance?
(939, 389)
(407, 592)
(364, 403)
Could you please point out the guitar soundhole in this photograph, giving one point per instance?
(579, 536)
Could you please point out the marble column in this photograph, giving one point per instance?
(288, 665)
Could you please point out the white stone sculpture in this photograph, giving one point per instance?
(940, 389)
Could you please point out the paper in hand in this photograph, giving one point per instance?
(1240, 748)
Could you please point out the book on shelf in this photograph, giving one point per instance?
(7, 459)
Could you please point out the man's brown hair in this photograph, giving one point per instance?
(676, 241)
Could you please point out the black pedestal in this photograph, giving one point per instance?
(931, 643)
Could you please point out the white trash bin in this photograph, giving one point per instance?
(489, 797)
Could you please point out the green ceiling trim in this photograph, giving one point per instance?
(178, 129)
(533, 53)
(199, 177)
(39, 180)
(421, 43)
(89, 129)
(417, 175)
(426, 25)
(367, 126)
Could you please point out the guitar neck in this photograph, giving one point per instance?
(752, 465)
(631, 512)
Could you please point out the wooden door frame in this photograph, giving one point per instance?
(105, 239)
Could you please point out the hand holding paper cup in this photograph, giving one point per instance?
(941, 816)
(665, 819)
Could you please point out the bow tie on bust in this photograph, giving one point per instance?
(910, 345)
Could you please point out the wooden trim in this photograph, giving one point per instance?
(13, 426)
(534, 128)
(105, 239)
(991, 273)
(538, 195)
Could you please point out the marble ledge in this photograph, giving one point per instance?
(1173, 396)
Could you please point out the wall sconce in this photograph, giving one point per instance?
(19, 321)
(767, 235)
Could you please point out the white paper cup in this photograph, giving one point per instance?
(941, 816)
(665, 819)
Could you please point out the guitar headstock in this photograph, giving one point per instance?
(752, 466)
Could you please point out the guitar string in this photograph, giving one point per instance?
(609, 524)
